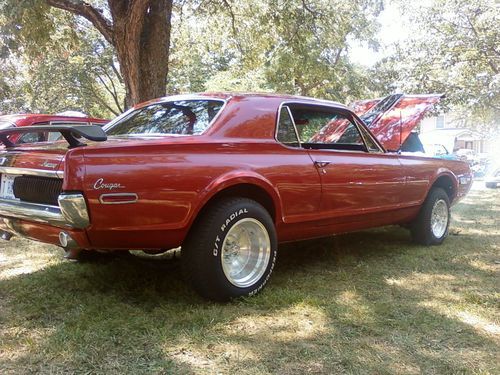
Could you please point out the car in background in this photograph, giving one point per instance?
(30, 119)
(436, 150)
(466, 154)
(492, 177)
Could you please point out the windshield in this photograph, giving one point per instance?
(183, 117)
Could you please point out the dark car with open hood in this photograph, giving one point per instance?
(227, 177)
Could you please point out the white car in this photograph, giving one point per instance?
(492, 178)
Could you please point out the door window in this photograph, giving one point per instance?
(324, 128)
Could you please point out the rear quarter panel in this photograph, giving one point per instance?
(173, 182)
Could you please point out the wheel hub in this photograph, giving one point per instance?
(245, 252)
(439, 218)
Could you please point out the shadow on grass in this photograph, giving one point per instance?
(367, 302)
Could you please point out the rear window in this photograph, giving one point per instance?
(183, 117)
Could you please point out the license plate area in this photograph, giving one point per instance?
(7, 186)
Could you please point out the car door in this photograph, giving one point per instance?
(357, 177)
(296, 179)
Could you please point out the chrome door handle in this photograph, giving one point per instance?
(321, 164)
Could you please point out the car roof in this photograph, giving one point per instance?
(243, 95)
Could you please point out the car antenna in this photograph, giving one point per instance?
(400, 133)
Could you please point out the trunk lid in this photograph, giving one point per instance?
(32, 174)
(46, 157)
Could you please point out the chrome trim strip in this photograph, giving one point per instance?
(32, 172)
(294, 125)
(276, 128)
(134, 198)
(364, 131)
(332, 106)
(32, 212)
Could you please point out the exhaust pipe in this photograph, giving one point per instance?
(67, 241)
(70, 246)
(5, 235)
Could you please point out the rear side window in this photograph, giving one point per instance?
(185, 117)
(286, 130)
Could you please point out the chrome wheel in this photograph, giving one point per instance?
(439, 218)
(246, 251)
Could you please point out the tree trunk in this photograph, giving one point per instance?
(140, 33)
(142, 42)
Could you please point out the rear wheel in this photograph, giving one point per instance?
(231, 250)
(432, 223)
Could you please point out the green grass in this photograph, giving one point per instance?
(361, 303)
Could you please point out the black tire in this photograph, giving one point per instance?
(421, 229)
(491, 185)
(203, 252)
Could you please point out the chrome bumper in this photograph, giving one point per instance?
(71, 212)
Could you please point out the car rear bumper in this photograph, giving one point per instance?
(71, 212)
(42, 232)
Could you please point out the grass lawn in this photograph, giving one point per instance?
(361, 303)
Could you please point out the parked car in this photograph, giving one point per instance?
(467, 155)
(437, 150)
(225, 176)
(10, 121)
(492, 176)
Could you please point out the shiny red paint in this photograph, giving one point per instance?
(362, 106)
(175, 178)
(392, 125)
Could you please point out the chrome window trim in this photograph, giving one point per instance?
(32, 172)
(278, 124)
(330, 105)
(360, 125)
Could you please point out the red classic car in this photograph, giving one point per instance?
(30, 119)
(225, 176)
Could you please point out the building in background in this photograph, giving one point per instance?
(443, 129)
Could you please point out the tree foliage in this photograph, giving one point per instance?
(291, 46)
(69, 67)
(53, 60)
(454, 49)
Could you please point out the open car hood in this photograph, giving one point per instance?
(391, 119)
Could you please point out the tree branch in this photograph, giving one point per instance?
(113, 92)
(94, 15)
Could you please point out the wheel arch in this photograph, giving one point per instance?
(448, 182)
(250, 186)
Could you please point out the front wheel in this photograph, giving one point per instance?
(432, 223)
(231, 250)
